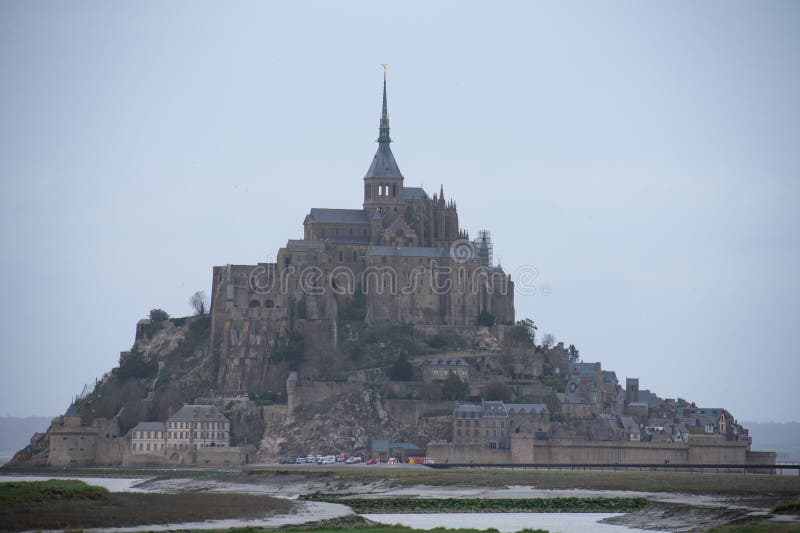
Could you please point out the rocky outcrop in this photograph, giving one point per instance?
(346, 423)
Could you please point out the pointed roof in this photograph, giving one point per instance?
(383, 164)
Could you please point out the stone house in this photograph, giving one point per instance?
(190, 428)
(197, 426)
(575, 406)
(490, 423)
(630, 428)
(148, 438)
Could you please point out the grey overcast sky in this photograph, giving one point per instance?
(644, 157)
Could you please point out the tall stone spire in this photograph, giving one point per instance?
(383, 164)
(383, 137)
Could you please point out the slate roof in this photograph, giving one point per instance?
(494, 410)
(629, 424)
(527, 408)
(198, 413)
(298, 244)
(150, 426)
(571, 397)
(414, 193)
(383, 164)
(468, 410)
(339, 216)
(408, 251)
(448, 361)
(588, 369)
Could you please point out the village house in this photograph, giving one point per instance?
(575, 406)
(191, 427)
(490, 423)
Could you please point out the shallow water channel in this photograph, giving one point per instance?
(313, 511)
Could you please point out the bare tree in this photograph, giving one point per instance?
(548, 340)
(199, 303)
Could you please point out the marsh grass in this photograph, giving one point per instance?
(482, 505)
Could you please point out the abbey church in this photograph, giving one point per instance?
(403, 252)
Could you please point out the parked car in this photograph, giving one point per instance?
(429, 461)
(342, 457)
(286, 461)
(353, 460)
(327, 460)
(392, 461)
(372, 461)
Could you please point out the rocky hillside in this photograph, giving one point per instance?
(345, 423)
(168, 365)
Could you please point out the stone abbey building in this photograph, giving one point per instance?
(403, 250)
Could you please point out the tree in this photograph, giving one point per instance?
(158, 315)
(523, 332)
(401, 370)
(496, 391)
(199, 303)
(548, 340)
(574, 354)
(454, 388)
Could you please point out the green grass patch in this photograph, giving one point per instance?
(25, 492)
(791, 506)
(481, 505)
(377, 528)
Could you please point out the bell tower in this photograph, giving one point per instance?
(383, 184)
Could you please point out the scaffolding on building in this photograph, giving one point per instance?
(483, 247)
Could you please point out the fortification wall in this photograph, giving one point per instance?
(413, 390)
(202, 456)
(72, 446)
(409, 412)
(527, 450)
(309, 392)
(760, 458)
(705, 449)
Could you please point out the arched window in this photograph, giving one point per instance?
(394, 189)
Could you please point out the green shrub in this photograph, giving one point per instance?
(158, 315)
(555, 384)
(437, 341)
(199, 329)
(133, 365)
(401, 370)
(23, 492)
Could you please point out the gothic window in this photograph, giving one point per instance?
(394, 190)
(355, 256)
(341, 256)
